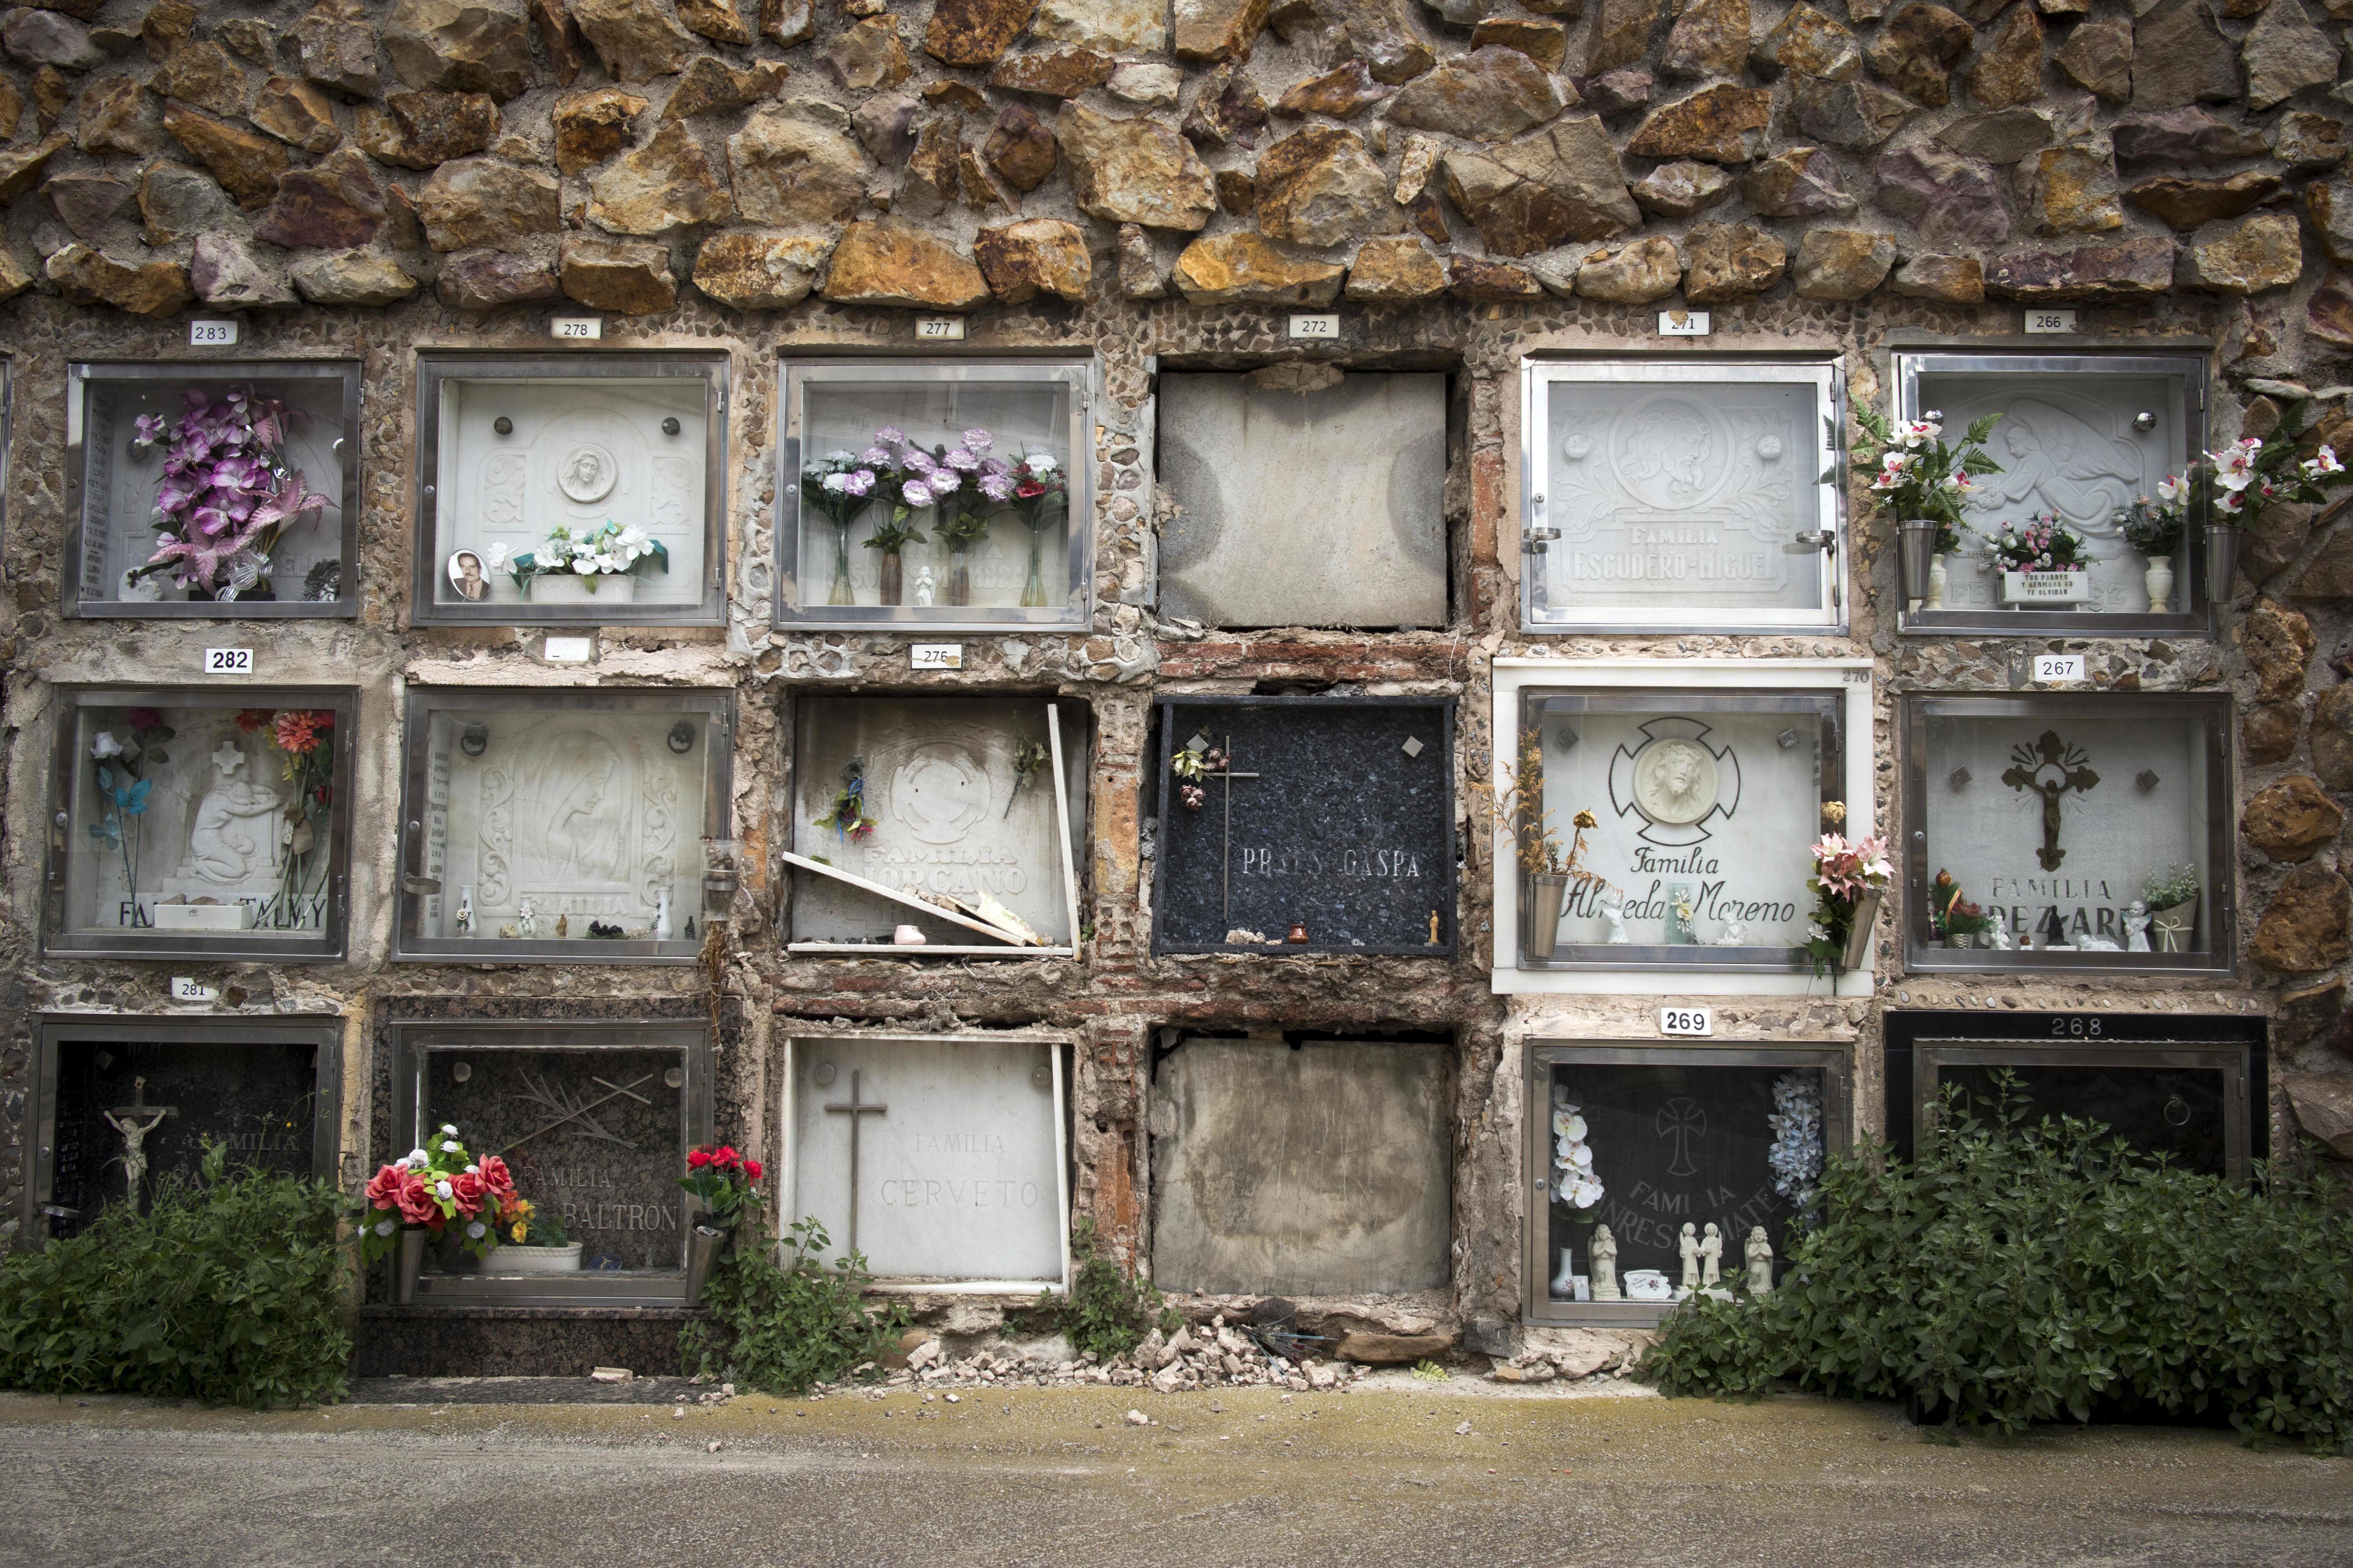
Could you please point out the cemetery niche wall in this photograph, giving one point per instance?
(1683, 495)
(1315, 508)
(1305, 825)
(935, 494)
(1706, 783)
(943, 1158)
(936, 825)
(199, 822)
(571, 489)
(560, 826)
(2081, 438)
(1301, 1165)
(1660, 1171)
(2087, 832)
(594, 1122)
(2193, 1088)
(120, 1104)
(213, 489)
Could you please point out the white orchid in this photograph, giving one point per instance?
(2170, 489)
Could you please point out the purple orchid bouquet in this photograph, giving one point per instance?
(228, 494)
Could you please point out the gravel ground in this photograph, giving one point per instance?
(515, 1471)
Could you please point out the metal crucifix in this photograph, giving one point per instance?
(1226, 859)
(2030, 769)
(854, 1110)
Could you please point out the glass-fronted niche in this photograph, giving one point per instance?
(2084, 439)
(200, 823)
(1700, 494)
(2084, 832)
(2190, 1088)
(571, 489)
(935, 494)
(594, 1121)
(560, 826)
(215, 490)
(943, 1158)
(1705, 784)
(123, 1104)
(1669, 1170)
(936, 826)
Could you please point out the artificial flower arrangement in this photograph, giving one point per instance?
(1916, 476)
(968, 484)
(722, 1182)
(442, 1189)
(528, 1224)
(1951, 915)
(122, 787)
(2155, 528)
(2042, 544)
(1846, 875)
(1192, 768)
(228, 495)
(1575, 1182)
(1029, 758)
(847, 815)
(1520, 806)
(2249, 475)
(301, 736)
(608, 551)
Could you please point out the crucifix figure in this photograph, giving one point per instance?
(1682, 1119)
(126, 1119)
(854, 1110)
(2049, 768)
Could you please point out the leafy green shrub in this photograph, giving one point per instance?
(231, 1291)
(780, 1328)
(1108, 1309)
(2016, 1274)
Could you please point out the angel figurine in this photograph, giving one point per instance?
(2137, 926)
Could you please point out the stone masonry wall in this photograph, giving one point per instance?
(1467, 183)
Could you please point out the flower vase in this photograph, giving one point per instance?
(2158, 580)
(842, 593)
(1858, 934)
(521, 1260)
(1547, 893)
(572, 588)
(1916, 541)
(1936, 599)
(704, 1244)
(960, 572)
(894, 575)
(408, 1263)
(1033, 592)
(2221, 561)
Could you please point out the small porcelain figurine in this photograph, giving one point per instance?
(1759, 1254)
(1996, 935)
(925, 586)
(1687, 1249)
(661, 916)
(526, 923)
(1613, 914)
(1711, 1258)
(464, 919)
(2095, 944)
(1603, 1257)
(2137, 926)
(1736, 934)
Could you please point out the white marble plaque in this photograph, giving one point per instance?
(2080, 446)
(588, 817)
(576, 453)
(2067, 813)
(1683, 498)
(1709, 810)
(1324, 508)
(959, 1171)
(950, 814)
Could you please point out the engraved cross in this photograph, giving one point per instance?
(1682, 1119)
(854, 1110)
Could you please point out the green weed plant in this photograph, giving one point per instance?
(782, 1328)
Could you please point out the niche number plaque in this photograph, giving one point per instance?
(211, 334)
(577, 329)
(1315, 326)
(1682, 323)
(940, 328)
(2059, 669)
(2049, 321)
(228, 661)
(1686, 1020)
(936, 654)
(186, 989)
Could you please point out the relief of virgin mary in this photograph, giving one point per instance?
(577, 833)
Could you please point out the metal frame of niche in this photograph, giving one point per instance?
(1907, 365)
(332, 942)
(1735, 685)
(83, 376)
(1913, 712)
(1167, 704)
(52, 1030)
(1919, 1044)
(1828, 538)
(436, 366)
(1074, 606)
(415, 1042)
(1060, 1049)
(716, 707)
(1003, 945)
(1835, 1062)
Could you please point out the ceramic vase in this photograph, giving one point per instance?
(2160, 583)
(1548, 893)
(533, 1260)
(1936, 599)
(842, 592)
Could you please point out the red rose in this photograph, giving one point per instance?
(146, 718)
(751, 1168)
(383, 1190)
(253, 718)
(467, 1190)
(697, 1158)
(416, 1199)
(497, 1177)
(1029, 491)
(725, 1156)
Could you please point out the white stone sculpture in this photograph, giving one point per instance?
(925, 586)
(1603, 1259)
(2137, 926)
(1736, 934)
(662, 928)
(1687, 1249)
(1674, 782)
(2095, 944)
(1760, 1255)
(1711, 1258)
(1613, 914)
(1995, 934)
(224, 847)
